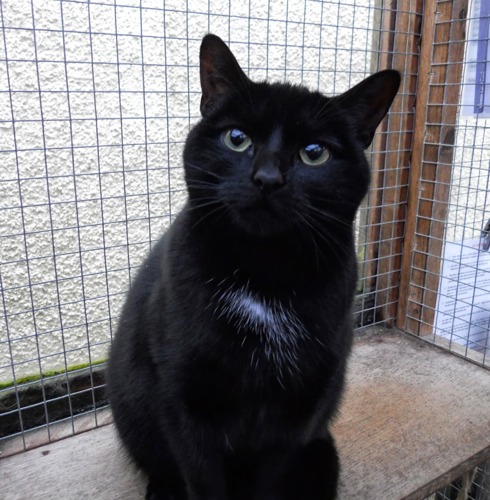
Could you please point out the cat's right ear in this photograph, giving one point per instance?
(220, 71)
(368, 102)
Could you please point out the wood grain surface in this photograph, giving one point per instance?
(413, 418)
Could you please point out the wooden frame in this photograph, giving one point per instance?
(438, 87)
(399, 39)
(412, 159)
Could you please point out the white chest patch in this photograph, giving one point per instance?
(274, 323)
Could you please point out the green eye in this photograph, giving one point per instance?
(314, 154)
(236, 140)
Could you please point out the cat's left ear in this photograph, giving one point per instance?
(369, 101)
(220, 71)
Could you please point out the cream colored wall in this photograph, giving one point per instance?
(86, 181)
(469, 199)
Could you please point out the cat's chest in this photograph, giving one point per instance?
(267, 328)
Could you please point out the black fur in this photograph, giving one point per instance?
(230, 356)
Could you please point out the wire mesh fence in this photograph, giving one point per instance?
(447, 271)
(96, 99)
(474, 485)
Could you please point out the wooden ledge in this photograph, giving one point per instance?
(413, 419)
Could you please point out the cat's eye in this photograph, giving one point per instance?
(236, 140)
(314, 154)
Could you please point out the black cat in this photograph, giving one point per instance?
(230, 356)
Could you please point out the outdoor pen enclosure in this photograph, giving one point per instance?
(96, 99)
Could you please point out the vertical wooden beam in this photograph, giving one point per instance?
(384, 44)
(442, 53)
(416, 160)
(391, 156)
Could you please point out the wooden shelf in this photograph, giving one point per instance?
(414, 418)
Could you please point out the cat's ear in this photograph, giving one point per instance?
(369, 101)
(220, 71)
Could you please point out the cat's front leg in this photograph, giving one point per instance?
(163, 490)
(313, 473)
(202, 465)
(206, 483)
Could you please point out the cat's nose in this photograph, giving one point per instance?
(268, 178)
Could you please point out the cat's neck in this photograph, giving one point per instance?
(283, 263)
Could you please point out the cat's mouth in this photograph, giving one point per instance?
(261, 217)
(262, 202)
(259, 204)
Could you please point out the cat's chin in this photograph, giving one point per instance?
(259, 216)
(261, 223)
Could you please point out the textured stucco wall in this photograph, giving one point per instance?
(91, 132)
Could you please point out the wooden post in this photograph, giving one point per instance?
(391, 156)
(441, 60)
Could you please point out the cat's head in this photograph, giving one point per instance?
(274, 159)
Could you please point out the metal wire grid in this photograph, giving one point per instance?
(459, 319)
(379, 282)
(96, 99)
(475, 485)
